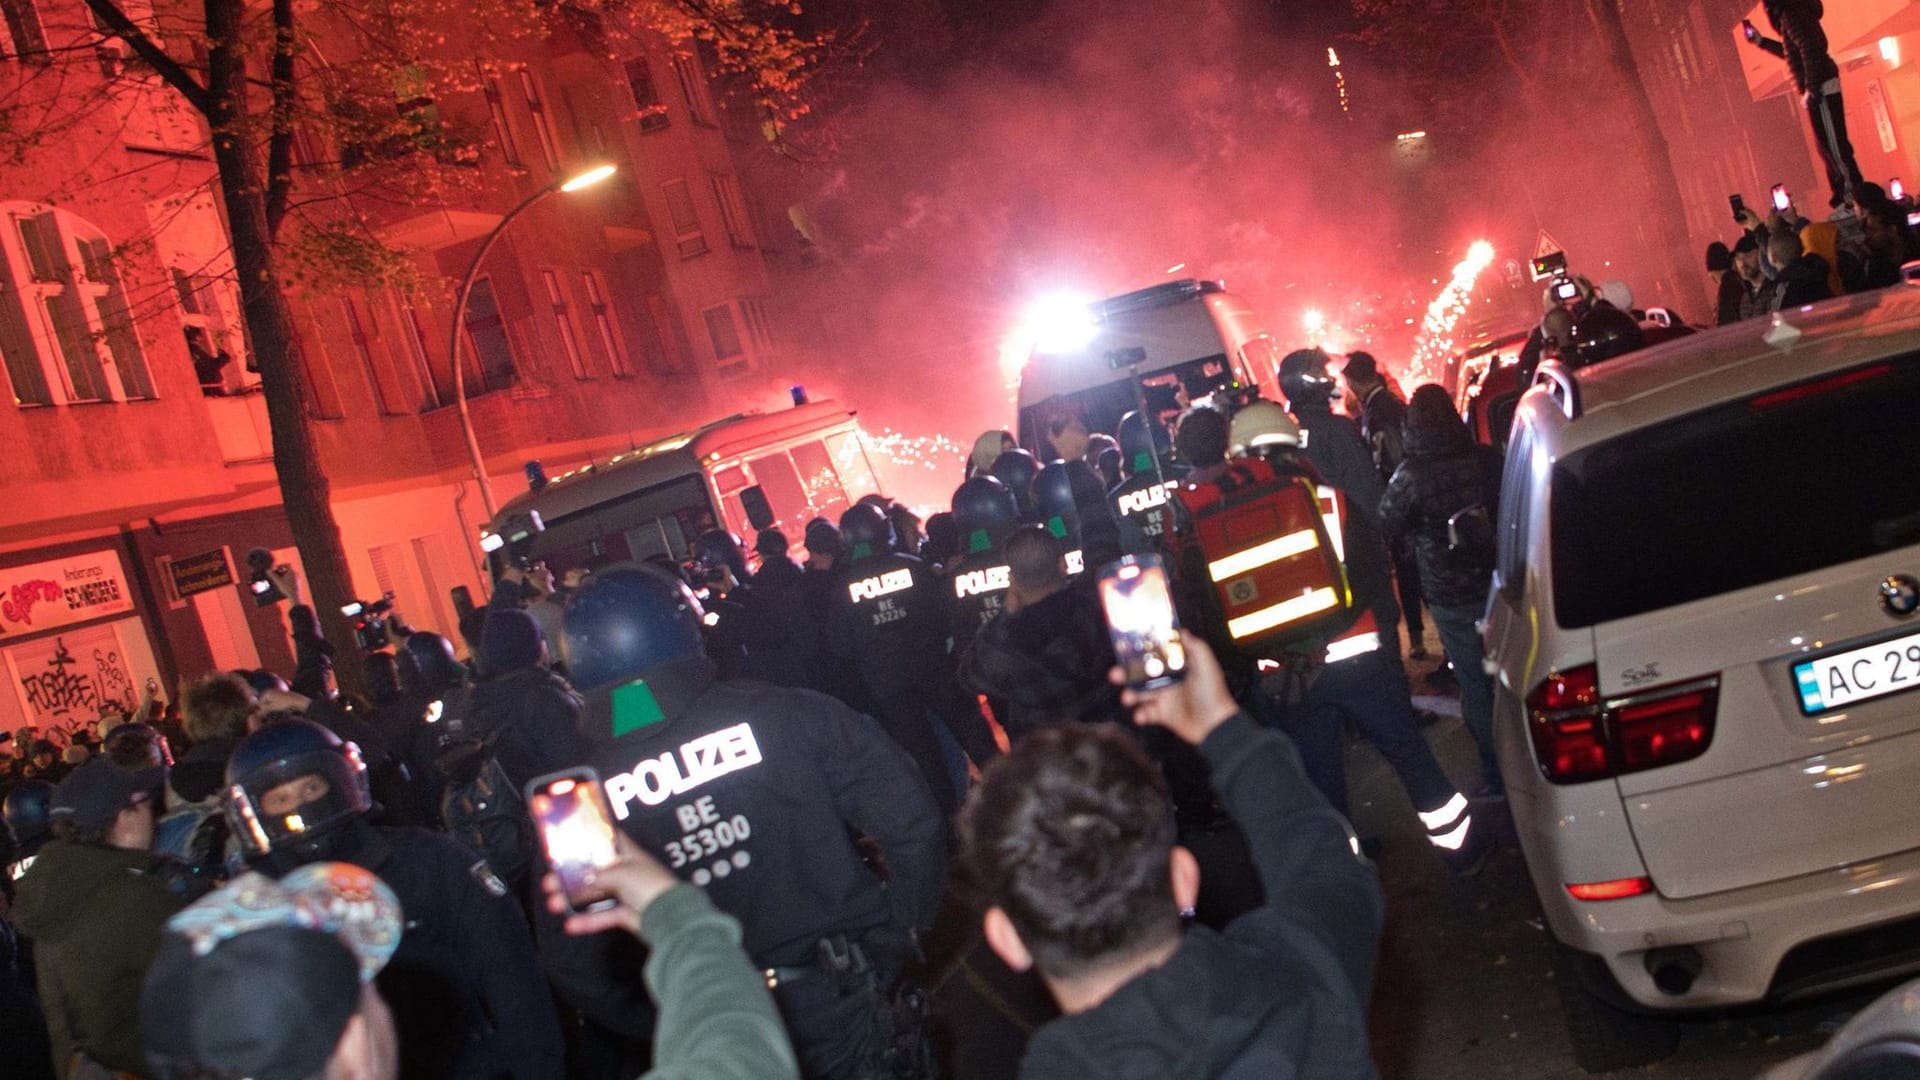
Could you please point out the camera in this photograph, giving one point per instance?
(1565, 289)
(260, 574)
(369, 621)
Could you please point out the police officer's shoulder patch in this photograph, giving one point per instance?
(488, 880)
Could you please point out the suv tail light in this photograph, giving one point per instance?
(1579, 736)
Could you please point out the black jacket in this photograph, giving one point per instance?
(1445, 472)
(770, 783)
(1382, 416)
(1048, 662)
(890, 619)
(464, 986)
(1726, 304)
(1803, 42)
(1334, 446)
(1802, 281)
(1283, 992)
(767, 632)
(537, 716)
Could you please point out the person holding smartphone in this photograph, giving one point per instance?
(1096, 909)
(1803, 45)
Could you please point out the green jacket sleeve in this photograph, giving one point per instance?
(717, 1019)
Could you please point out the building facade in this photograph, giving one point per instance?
(140, 468)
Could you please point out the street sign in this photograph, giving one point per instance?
(200, 573)
(1544, 246)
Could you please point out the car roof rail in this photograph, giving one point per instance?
(1558, 379)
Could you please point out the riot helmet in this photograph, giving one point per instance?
(434, 664)
(1141, 441)
(985, 512)
(867, 531)
(292, 784)
(1304, 379)
(1259, 425)
(1016, 468)
(26, 814)
(1604, 333)
(627, 620)
(1053, 498)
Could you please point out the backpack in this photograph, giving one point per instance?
(481, 808)
(1258, 539)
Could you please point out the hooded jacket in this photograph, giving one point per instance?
(1282, 993)
(1802, 281)
(1803, 42)
(95, 915)
(1445, 472)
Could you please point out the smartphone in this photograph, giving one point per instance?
(576, 828)
(1141, 620)
(1781, 200)
(1896, 190)
(1747, 28)
(1738, 203)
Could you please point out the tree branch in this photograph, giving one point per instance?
(164, 65)
(280, 141)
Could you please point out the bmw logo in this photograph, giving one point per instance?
(1900, 595)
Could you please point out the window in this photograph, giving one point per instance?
(67, 314)
(486, 334)
(537, 109)
(724, 333)
(413, 335)
(693, 88)
(819, 479)
(1516, 503)
(23, 27)
(569, 338)
(323, 390)
(759, 328)
(687, 235)
(388, 396)
(502, 134)
(603, 324)
(1788, 482)
(733, 213)
(646, 97)
(664, 338)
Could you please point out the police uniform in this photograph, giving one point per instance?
(1148, 511)
(889, 620)
(750, 792)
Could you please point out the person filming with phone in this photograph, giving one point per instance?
(1803, 45)
(1096, 908)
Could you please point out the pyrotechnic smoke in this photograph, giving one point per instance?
(1436, 340)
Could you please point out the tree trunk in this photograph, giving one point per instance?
(1666, 213)
(305, 492)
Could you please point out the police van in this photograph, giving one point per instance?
(654, 501)
(1168, 346)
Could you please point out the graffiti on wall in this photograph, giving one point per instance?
(66, 681)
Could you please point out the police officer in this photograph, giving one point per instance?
(1359, 680)
(25, 810)
(751, 792)
(889, 622)
(985, 513)
(1016, 468)
(465, 987)
(1072, 504)
(1144, 505)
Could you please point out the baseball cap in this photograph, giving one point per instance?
(259, 978)
(92, 795)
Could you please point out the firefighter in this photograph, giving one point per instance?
(754, 793)
(889, 623)
(1143, 504)
(1350, 677)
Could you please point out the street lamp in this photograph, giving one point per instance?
(567, 184)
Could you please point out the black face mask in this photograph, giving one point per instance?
(338, 844)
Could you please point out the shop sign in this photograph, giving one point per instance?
(60, 592)
(200, 573)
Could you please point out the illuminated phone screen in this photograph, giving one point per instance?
(577, 831)
(1141, 619)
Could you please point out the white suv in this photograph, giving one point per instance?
(1700, 629)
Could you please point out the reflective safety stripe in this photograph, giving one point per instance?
(1076, 562)
(1232, 566)
(1348, 648)
(1330, 513)
(1455, 838)
(1447, 814)
(1282, 613)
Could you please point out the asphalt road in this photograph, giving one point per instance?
(1465, 987)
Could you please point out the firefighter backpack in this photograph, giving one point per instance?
(1258, 539)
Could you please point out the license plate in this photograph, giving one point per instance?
(1872, 671)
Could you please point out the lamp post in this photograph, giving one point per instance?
(568, 184)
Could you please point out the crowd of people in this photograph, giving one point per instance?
(836, 785)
